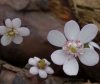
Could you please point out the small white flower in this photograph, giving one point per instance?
(40, 66)
(93, 45)
(12, 31)
(73, 46)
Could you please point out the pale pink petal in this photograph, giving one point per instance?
(33, 61)
(71, 30)
(2, 30)
(34, 70)
(5, 40)
(8, 23)
(16, 22)
(59, 57)
(56, 38)
(42, 74)
(88, 33)
(49, 70)
(18, 39)
(23, 31)
(90, 57)
(94, 45)
(71, 67)
(36, 58)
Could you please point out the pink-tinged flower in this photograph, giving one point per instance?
(12, 31)
(40, 66)
(73, 46)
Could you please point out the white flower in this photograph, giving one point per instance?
(73, 46)
(40, 66)
(12, 31)
(93, 45)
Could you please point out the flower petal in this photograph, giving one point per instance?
(59, 57)
(47, 62)
(32, 61)
(49, 70)
(56, 38)
(23, 31)
(90, 57)
(5, 40)
(8, 23)
(16, 22)
(36, 58)
(34, 70)
(71, 30)
(94, 45)
(42, 74)
(88, 33)
(2, 30)
(18, 39)
(71, 67)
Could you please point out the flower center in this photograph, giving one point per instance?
(41, 64)
(73, 48)
(11, 33)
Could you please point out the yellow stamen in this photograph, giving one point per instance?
(11, 33)
(73, 49)
(42, 64)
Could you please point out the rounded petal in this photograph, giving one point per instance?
(71, 30)
(90, 57)
(88, 33)
(59, 57)
(56, 38)
(71, 67)
(5, 40)
(34, 70)
(42, 74)
(16, 22)
(18, 40)
(23, 31)
(49, 70)
(36, 58)
(94, 45)
(2, 30)
(47, 62)
(33, 61)
(8, 23)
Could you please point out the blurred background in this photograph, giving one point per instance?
(41, 16)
